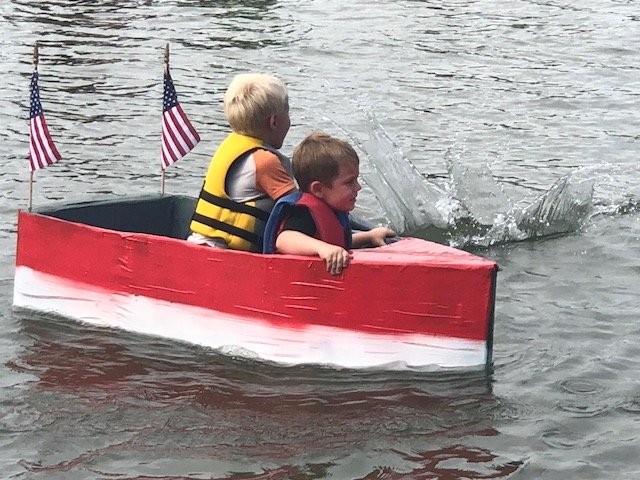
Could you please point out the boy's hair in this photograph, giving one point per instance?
(318, 157)
(251, 98)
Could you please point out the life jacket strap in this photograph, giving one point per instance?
(230, 229)
(234, 206)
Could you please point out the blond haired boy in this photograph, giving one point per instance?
(248, 173)
(315, 220)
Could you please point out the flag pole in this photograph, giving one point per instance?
(166, 69)
(178, 135)
(30, 189)
(35, 67)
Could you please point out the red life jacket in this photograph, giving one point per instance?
(331, 226)
(328, 227)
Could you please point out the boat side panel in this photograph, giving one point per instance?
(242, 336)
(288, 292)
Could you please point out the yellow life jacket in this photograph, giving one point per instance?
(239, 224)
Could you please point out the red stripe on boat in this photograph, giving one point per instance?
(411, 286)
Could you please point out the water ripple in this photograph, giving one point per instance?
(523, 95)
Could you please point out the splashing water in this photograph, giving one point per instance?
(396, 181)
(407, 199)
(471, 209)
(476, 190)
(563, 208)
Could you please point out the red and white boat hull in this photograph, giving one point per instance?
(412, 303)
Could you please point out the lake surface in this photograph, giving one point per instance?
(510, 129)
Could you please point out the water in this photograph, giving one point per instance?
(506, 128)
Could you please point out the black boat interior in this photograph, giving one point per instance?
(164, 215)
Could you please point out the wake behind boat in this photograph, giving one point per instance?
(124, 263)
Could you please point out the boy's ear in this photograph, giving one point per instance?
(316, 188)
(273, 121)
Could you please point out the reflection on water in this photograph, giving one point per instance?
(71, 356)
(162, 390)
(450, 462)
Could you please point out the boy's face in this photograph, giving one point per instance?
(341, 194)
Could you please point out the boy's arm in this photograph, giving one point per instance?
(271, 176)
(297, 243)
(375, 237)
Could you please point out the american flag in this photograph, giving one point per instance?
(42, 151)
(178, 135)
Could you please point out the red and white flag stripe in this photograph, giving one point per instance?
(42, 150)
(178, 136)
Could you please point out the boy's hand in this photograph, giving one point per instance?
(378, 235)
(336, 257)
(297, 243)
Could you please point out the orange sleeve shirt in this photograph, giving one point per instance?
(271, 176)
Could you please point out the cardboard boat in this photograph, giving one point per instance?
(124, 263)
